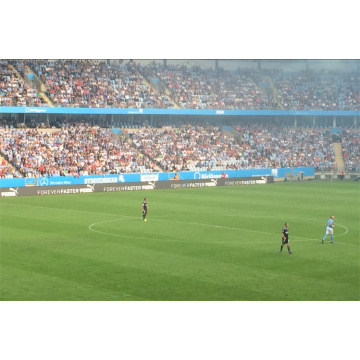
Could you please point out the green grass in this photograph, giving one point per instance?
(198, 244)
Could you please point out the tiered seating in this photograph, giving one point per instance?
(76, 149)
(351, 150)
(318, 90)
(79, 149)
(89, 83)
(14, 91)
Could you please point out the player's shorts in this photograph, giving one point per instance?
(286, 241)
(329, 230)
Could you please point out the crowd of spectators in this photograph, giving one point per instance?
(80, 149)
(77, 148)
(6, 170)
(208, 148)
(197, 88)
(323, 90)
(89, 83)
(79, 83)
(351, 150)
(73, 150)
(14, 91)
(186, 148)
(270, 146)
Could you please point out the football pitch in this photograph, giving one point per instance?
(203, 244)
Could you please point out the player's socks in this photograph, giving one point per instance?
(289, 250)
(281, 248)
(331, 239)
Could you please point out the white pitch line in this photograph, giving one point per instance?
(273, 216)
(182, 241)
(256, 231)
(189, 223)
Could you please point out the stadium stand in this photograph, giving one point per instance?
(324, 90)
(71, 147)
(96, 84)
(13, 89)
(73, 150)
(80, 149)
(90, 83)
(351, 150)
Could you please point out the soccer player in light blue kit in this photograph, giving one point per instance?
(329, 229)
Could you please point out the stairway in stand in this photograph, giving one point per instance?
(339, 158)
(7, 163)
(40, 86)
(273, 91)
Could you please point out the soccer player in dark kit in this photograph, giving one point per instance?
(285, 238)
(144, 208)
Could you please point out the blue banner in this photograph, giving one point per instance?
(149, 177)
(114, 111)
